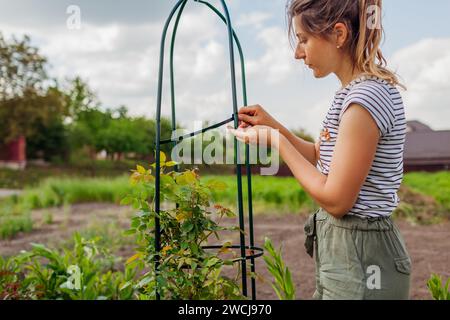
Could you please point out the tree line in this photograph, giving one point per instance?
(59, 119)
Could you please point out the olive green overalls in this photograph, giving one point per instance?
(357, 258)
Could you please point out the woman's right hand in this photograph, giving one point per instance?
(250, 116)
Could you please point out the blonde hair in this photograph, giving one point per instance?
(318, 17)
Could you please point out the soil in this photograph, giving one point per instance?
(428, 245)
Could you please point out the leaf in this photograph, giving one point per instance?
(208, 282)
(224, 250)
(162, 157)
(165, 249)
(181, 217)
(187, 226)
(225, 247)
(125, 285)
(140, 169)
(133, 257)
(144, 281)
(129, 232)
(211, 262)
(126, 201)
(216, 185)
(171, 164)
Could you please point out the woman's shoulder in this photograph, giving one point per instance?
(373, 84)
(372, 89)
(376, 95)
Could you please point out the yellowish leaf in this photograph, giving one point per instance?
(162, 156)
(140, 169)
(190, 177)
(165, 249)
(180, 217)
(224, 250)
(171, 163)
(133, 257)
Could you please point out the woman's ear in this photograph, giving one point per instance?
(341, 34)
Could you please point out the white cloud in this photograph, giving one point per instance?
(277, 63)
(253, 19)
(121, 62)
(425, 68)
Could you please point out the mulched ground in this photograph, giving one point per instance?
(429, 246)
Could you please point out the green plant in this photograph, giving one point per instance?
(186, 270)
(48, 218)
(437, 290)
(283, 284)
(14, 218)
(84, 272)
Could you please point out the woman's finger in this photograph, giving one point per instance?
(248, 110)
(243, 124)
(248, 119)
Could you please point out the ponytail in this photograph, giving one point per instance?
(368, 56)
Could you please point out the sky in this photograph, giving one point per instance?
(116, 50)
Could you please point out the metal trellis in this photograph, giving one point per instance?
(255, 251)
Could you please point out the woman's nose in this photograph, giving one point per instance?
(299, 54)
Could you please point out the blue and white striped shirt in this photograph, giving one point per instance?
(378, 195)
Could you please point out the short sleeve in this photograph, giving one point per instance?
(376, 99)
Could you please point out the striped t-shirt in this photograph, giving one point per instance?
(378, 195)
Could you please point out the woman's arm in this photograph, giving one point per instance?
(352, 159)
(306, 148)
(256, 115)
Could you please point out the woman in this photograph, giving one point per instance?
(356, 168)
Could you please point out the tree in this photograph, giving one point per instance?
(80, 98)
(27, 96)
(49, 140)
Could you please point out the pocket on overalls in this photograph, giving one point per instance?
(403, 265)
(402, 259)
(310, 229)
(310, 233)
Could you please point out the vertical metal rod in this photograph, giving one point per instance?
(158, 147)
(247, 149)
(233, 35)
(172, 80)
(236, 150)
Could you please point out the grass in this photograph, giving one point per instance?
(436, 185)
(269, 194)
(425, 197)
(14, 219)
(56, 191)
(33, 175)
(15, 210)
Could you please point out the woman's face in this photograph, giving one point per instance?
(318, 54)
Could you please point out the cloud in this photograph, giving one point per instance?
(276, 64)
(253, 19)
(425, 68)
(121, 62)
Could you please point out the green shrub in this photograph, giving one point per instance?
(186, 269)
(85, 272)
(437, 290)
(283, 284)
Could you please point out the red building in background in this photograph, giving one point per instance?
(13, 154)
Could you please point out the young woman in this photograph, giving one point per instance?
(355, 169)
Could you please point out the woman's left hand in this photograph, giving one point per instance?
(257, 135)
